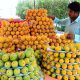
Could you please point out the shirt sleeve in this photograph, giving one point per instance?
(79, 31)
(61, 22)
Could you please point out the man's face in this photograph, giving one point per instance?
(72, 14)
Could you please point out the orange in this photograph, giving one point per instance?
(17, 32)
(38, 26)
(38, 18)
(45, 11)
(34, 14)
(36, 42)
(40, 22)
(48, 23)
(9, 29)
(19, 28)
(12, 33)
(47, 19)
(14, 28)
(7, 32)
(16, 24)
(11, 24)
(39, 14)
(44, 23)
(30, 42)
(4, 28)
(21, 32)
(14, 36)
(23, 46)
(43, 18)
(30, 14)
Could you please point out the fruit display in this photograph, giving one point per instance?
(62, 63)
(18, 35)
(36, 42)
(15, 35)
(39, 23)
(20, 66)
(31, 14)
(14, 29)
(61, 40)
(8, 44)
(60, 60)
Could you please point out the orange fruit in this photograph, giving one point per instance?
(7, 32)
(36, 42)
(14, 28)
(9, 29)
(44, 23)
(16, 24)
(38, 18)
(4, 28)
(43, 18)
(40, 22)
(17, 32)
(23, 47)
(34, 14)
(19, 28)
(15, 36)
(12, 33)
(21, 32)
(38, 27)
(30, 14)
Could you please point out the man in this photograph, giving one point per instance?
(72, 23)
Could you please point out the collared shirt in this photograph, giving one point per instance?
(73, 27)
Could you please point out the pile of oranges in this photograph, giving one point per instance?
(15, 36)
(39, 23)
(14, 29)
(9, 44)
(6, 44)
(60, 40)
(35, 42)
(35, 32)
(33, 13)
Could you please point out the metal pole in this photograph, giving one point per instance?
(34, 4)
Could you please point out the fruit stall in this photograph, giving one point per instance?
(30, 49)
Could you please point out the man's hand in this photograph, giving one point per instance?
(52, 17)
(70, 36)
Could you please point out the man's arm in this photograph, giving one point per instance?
(61, 22)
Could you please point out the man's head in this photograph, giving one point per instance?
(74, 9)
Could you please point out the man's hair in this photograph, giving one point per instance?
(75, 6)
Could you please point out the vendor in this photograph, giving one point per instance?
(72, 23)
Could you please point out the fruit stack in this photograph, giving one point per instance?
(8, 44)
(39, 23)
(19, 66)
(14, 29)
(62, 63)
(60, 40)
(33, 41)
